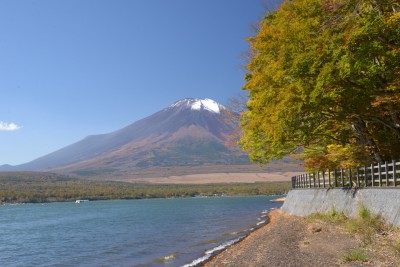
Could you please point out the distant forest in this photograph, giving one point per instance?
(34, 187)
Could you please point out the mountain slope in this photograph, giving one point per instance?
(190, 132)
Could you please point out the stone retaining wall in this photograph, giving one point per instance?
(382, 201)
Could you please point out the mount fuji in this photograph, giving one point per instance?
(190, 132)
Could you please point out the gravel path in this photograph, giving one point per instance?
(289, 241)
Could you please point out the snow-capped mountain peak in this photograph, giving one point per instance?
(200, 104)
(191, 132)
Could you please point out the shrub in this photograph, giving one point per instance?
(356, 255)
(396, 247)
(332, 216)
(367, 225)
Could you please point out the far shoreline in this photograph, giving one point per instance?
(74, 201)
(48, 187)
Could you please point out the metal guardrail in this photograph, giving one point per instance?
(378, 175)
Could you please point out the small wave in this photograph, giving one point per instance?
(264, 214)
(166, 258)
(211, 252)
(197, 261)
(205, 243)
(261, 222)
(169, 257)
(237, 232)
(223, 246)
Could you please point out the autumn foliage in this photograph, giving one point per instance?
(324, 82)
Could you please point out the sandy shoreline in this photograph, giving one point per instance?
(287, 240)
(236, 247)
(280, 199)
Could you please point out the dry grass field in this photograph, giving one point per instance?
(210, 178)
(272, 172)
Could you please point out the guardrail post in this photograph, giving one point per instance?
(319, 184)
(341, 177)
(335, 174)
(299, 181)
(313, 174)
(394, 173)
(387, 173)
(365, 176)
(323, 178)
(358, 176)
(306, 176)
(329, 178)
(373, 175)
(380, 174)
(350, 179)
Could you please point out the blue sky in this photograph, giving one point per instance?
(72, 68)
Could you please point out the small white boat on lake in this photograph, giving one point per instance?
(81, 200)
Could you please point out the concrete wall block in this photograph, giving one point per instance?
(382, 201)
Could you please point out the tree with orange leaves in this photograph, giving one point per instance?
(324, 76)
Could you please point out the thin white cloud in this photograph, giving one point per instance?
(5, 126)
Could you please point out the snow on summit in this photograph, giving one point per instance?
(207, 104)
(199, 104)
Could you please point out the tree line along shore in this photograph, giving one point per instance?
(46, 187)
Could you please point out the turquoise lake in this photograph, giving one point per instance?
(150, 232)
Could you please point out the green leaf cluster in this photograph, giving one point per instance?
(325, 73)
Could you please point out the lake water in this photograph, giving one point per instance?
(151, 232)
